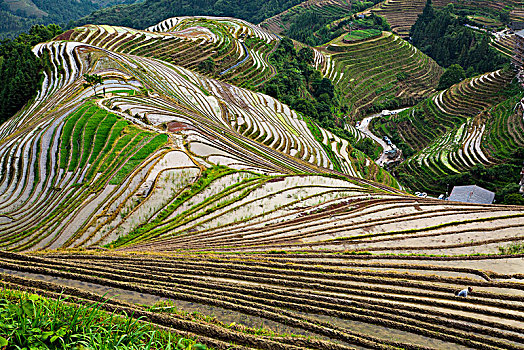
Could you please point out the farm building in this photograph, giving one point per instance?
(518, 51)
(471, 194)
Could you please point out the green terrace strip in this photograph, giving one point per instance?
(362, 34)
(145, 151)
(30, 321)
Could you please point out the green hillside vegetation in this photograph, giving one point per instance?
(150, 12)
(300, 85)
(20, 15)
(21, 70)
(441, 34)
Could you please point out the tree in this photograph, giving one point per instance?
(514, 199)
(20, 70)
(207, 65)
(305, 107)
(306, 55)
(441, 34)
(92, 80)
(453, 75)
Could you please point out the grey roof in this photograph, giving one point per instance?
(471, 194)
(520, 33)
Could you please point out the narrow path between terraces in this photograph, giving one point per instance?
(364, 127)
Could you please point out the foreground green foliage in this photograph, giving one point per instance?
(20, 70)
(29, 321)
(514, 248)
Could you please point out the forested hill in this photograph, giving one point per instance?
(443, 35)
(19, 15)
(149, 12)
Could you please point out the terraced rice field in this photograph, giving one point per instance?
(470, 123)
(372, 72)
(90, 169)
(171, 192)
(238, 49)
(505, 44)
(329, 8)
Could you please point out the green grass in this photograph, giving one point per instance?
(29, 321)
(90, 129)
(76, 138)
(512, 249)
(101, 135)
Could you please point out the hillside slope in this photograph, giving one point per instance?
(472, 123)
(84, 163)
(230, 49)
(379, 73)
(19, 15)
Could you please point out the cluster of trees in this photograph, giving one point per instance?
(453, 75)
(21, 70)
(441, 34)
(149, 12)
(300, 85)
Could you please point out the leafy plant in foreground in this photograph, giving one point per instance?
(28, 321)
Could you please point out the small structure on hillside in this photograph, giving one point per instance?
(471, 194)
